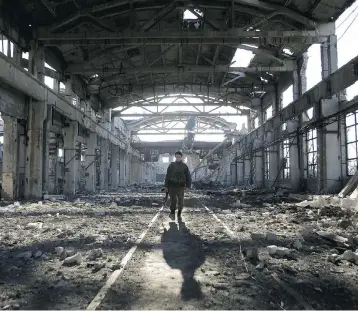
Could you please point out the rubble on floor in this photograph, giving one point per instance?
(57, 247)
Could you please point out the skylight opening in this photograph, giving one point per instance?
(288, 51)
(188, 15)
(242, 58)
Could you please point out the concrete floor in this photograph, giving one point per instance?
(200, 262)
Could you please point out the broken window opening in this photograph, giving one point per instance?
(188, 15)
(351, 137)
(312, 153)
(191, 20)
(6, 48)
(49, 82)
(286, 159)
(266, 163)
(287, 96)
(242, 58)
(62, 88)
(268, 113)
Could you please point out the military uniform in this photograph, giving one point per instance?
(178, 178)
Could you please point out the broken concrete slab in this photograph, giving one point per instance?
(349, 255)
(95, 253)
(332, 237)
(34, 225)
(252, 253)
(75, 259)
(350, 186)
(271, 237)
(257, 236)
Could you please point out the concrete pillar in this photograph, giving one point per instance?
(115, 162)
(52, 166)
(90, 163)
(104, 164)
(128, 168)
(46, 151)
(35, 150)
(293, 125)
(274, 154)
(122, 168)
(329, 152)
(247, 170)
(37, 61)
(240, 171)
(10, 158)
(17, 54)
(259, 168)
(70, 159)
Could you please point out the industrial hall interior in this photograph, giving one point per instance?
(179, 154)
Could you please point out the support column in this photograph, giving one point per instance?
(247, 170)
(240, 171)
(259, 156)
(295, 150)
(37, 61)
(329, 153)
(70, 159)
(10, 158)
(274, 154)
(35, 150)
(115, 162)
(122, 168)
(46, 152)
(52, 168)
(104, 164)
(90, 163)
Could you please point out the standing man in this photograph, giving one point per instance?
(177, 182)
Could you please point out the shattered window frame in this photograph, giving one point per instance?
(266, 163)
(286, 157)
(312, 153)
(351, 142)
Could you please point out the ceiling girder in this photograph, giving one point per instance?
(289, 65)
(129, 36)
(184, 113)
(212, 90)
(154, 120)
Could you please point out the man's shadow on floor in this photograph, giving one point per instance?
(182, 250)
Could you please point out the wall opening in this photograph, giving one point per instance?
(286, 159)
(351, 137)
(312, 153)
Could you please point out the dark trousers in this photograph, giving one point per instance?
(176, 195)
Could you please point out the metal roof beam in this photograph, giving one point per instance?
(233, 33)
(198, 114)
(158, 17)
(122, 72)
(281, 10)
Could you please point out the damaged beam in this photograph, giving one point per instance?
(81, 69)
(342, 78)
(179, 113)
(231, 36)
(18, 78)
